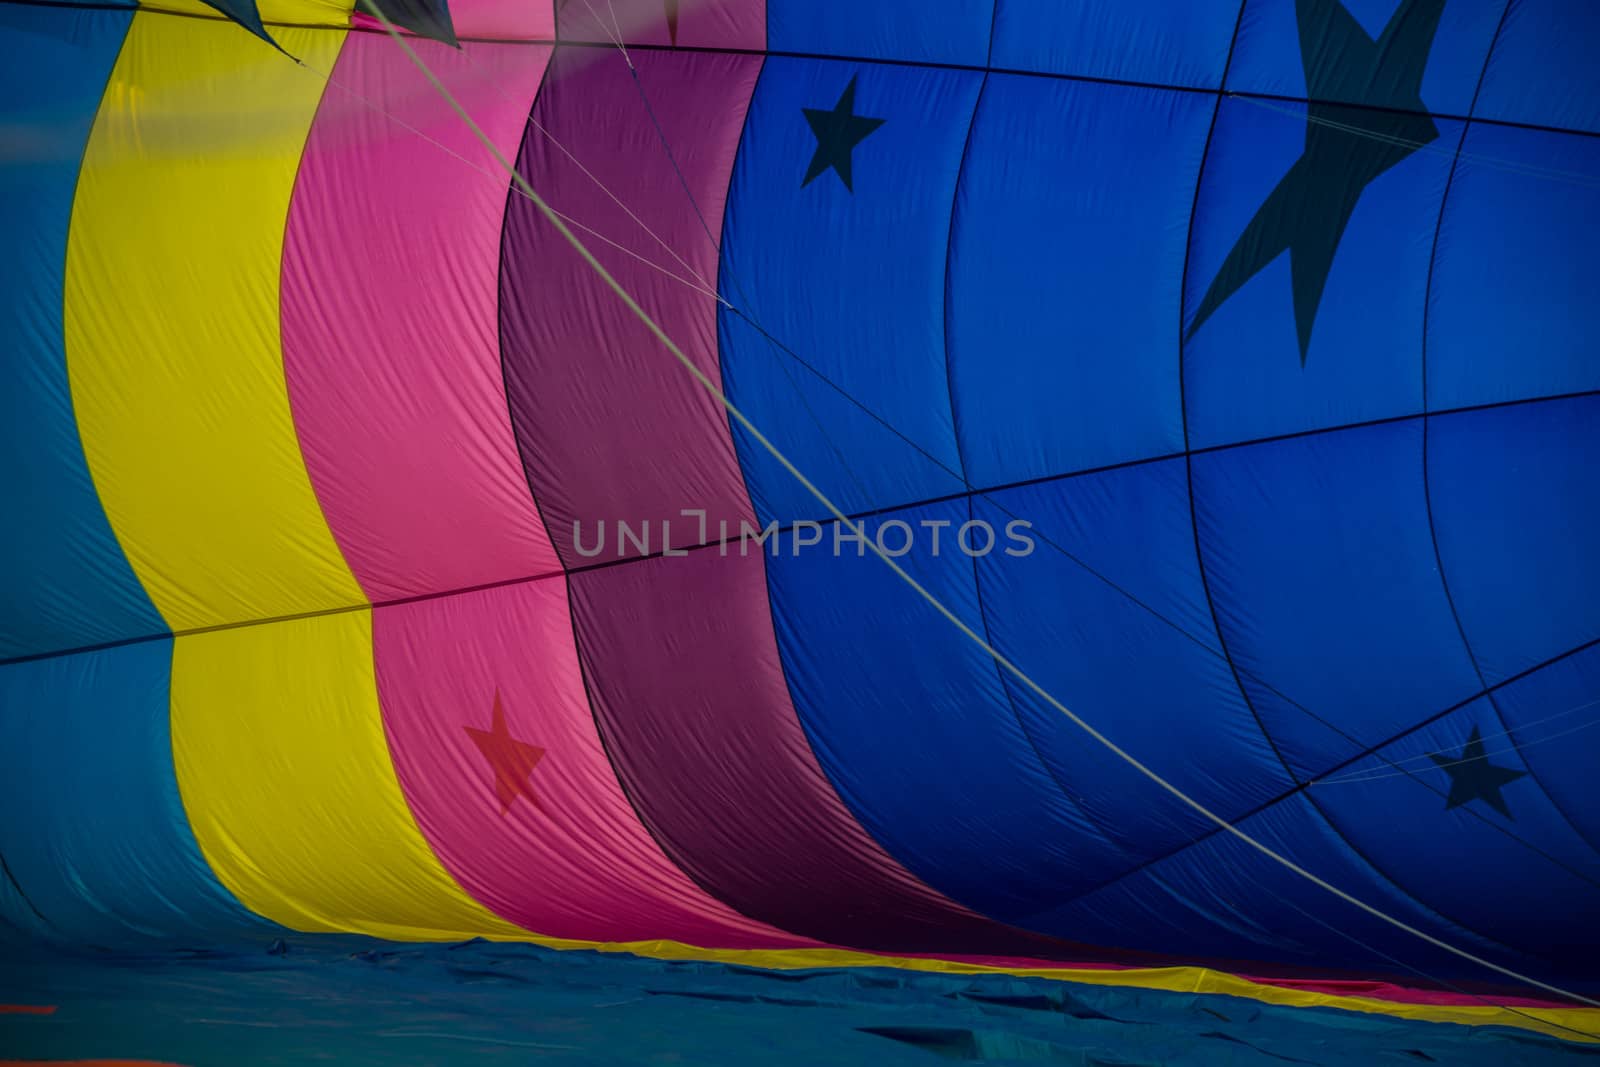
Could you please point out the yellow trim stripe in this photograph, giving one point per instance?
(171, 315)
(286, 776)
(1571, 1024)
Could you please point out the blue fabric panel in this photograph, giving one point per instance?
(1090, 628)
(1543, 71)
(347, 1000)
(91, 823)
(1322, 568)
(64, 581)
(853, 282)
(1244, 377)
(1467, 862)
(885, 29)
(1554, 718)
(1063, 362)
(1159, 42)
(1220, 895)
(1268, 57)
(1517, 270)
(911, 722)
(1516, 506)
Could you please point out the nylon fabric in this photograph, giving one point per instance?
(96, 841)
(303, 12)
(286, 775)
(1339, 517)
(1164, 42)
(1242, 380)
(1545, 260)
(64, 580)
(1474, 482)
(610, 433)
(889, 29)
(200, 471)
(1062, 367)
(1228, 368)
(1540, 72)
(809, 274)
(739, 24)
(567, 856)
(720, 769)
(412, 456)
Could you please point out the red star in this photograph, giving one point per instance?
(511, 760)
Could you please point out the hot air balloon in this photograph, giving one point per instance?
(1104, 490)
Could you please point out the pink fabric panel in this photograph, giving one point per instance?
(692, 23)
(573, 861)
(503, 20)
(390, 334)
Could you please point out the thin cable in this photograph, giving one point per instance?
(1426, 756)
(614, 39)
(616, 25)
(733, 411)
(794, 386)
(1375, 775)
(1427, 977)
(1578, 178)
(708, 288)
(705, 285)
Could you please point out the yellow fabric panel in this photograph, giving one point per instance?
(171, 315)
(296, 12)
(285, 774)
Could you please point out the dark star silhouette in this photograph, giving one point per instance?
(511, 760)
(838, 132)
(1473, 777)
(1307, 213)
(425, 18)
(672, 20)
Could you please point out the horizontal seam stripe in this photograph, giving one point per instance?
(872, 60)
(790, 527)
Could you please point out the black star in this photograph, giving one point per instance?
(837, 132)
(1307, 213)
(1473, 777)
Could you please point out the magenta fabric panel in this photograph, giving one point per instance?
(688, 689)
(612, 428)
(390, 325)
(513, 20)
(691, 23)
(544, 838)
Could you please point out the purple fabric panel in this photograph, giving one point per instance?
(689, 692)
(691, 23)
(679, 652)
(612, 429)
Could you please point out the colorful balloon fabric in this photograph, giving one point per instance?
(1232, 369)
